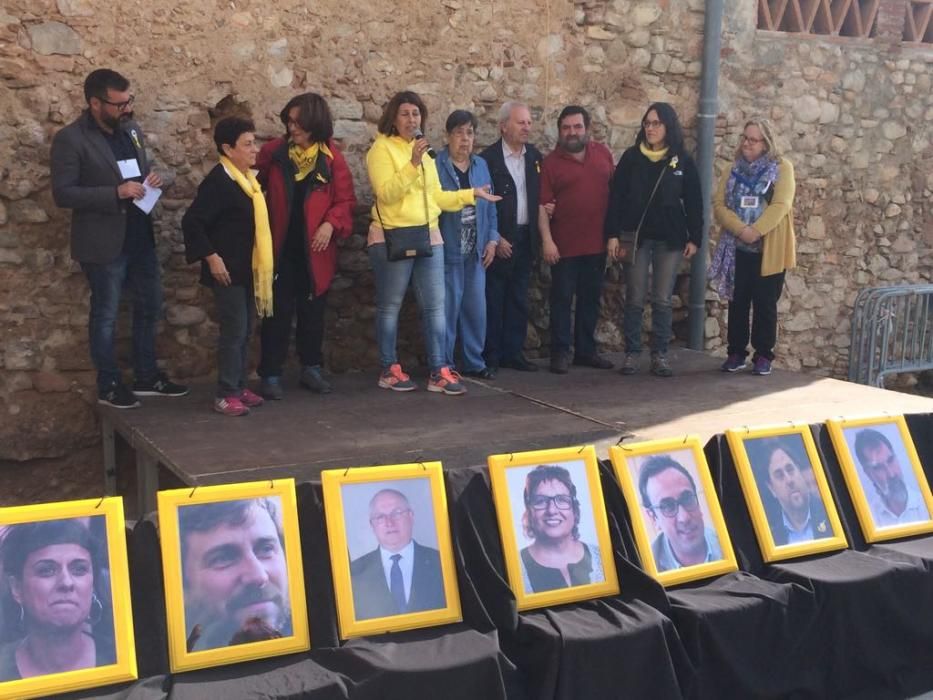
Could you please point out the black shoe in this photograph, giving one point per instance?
(519, 363)
(593, 361)
(560, 364)
(161, 386)
(118, 396)
(312, 380)
(484, 373)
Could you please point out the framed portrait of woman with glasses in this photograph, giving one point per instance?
(785, 488)
(390, 547)
(552, 521)
(676, 518)
(65, 614)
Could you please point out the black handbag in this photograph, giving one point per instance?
(408, 242)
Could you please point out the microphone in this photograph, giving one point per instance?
(431, 152)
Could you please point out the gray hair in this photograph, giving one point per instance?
(505, 111)
(389, 492)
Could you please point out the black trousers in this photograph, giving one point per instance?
(291, 298)
(235, 309)
(758, 295)
(507, 301)
(580, 276)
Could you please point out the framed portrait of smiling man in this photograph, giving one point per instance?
(786, 491)
(390, 548)
(66, 622)
(552, 521)
(884, 476)
(234, 584)
(678, 524)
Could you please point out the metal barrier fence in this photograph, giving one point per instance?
(892, 332)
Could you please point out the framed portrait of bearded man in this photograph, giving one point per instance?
(234, 584)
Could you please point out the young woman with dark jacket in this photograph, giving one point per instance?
(310, 193)
(655, 193)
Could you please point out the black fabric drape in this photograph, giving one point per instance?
(619, 646)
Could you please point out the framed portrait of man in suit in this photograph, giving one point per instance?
(786, 491)
(676, 518)
(66, 622)
(234, 582)
(884, 476)
(390, 547)
(552, 521)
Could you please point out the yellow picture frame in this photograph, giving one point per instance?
(233, 526)
(888, 435)
(35, 522)
(674, 463)
(509, 475)
(392, 500)
(769, 517)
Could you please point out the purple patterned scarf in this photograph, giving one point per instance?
(746, 179)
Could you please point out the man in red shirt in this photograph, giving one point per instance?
(575, 179)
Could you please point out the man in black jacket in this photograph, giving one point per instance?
(515, 166)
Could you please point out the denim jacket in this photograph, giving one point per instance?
(487, 226)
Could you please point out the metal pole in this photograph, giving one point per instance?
(706, 132)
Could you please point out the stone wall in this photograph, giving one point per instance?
(853, 115)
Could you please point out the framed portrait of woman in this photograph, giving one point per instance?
(234, 582)
(552, 521)
(66, 622)
(884, 476)
(786, 491)
(676, 518)
(390, 548)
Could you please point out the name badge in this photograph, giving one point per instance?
(129, 168)
(749, 203)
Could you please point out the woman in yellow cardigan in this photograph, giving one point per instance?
(754, 205)
(408, 193)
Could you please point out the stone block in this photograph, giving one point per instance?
(54, 37)
(184, 315)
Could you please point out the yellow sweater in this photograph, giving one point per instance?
(399, 185)
(776, 223)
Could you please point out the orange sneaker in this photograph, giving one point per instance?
(446, 381)
(395, 379)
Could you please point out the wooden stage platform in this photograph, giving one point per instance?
(362, 425)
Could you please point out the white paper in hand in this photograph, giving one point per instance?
(148, 200)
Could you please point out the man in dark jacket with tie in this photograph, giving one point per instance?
(99, 169)
(399, 576)
(515, 166)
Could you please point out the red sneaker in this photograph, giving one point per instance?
(230, 406)
(250, 399)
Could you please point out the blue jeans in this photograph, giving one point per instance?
(465, 294)
(139, 271)
(426, 275)
(664, 263)
(234, 307)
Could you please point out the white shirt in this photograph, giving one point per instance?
(515, 162)
(406, 564)
(916, 510)
(804, 534)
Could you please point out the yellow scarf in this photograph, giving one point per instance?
(653, 156)
(306, 159)
(262, 241)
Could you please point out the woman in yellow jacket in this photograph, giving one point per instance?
(754, 206)
(408, 193)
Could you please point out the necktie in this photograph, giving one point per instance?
(397, 586)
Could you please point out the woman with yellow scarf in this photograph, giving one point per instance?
(310, 193)
(227, 229)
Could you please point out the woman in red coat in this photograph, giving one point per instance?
(309, 191)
